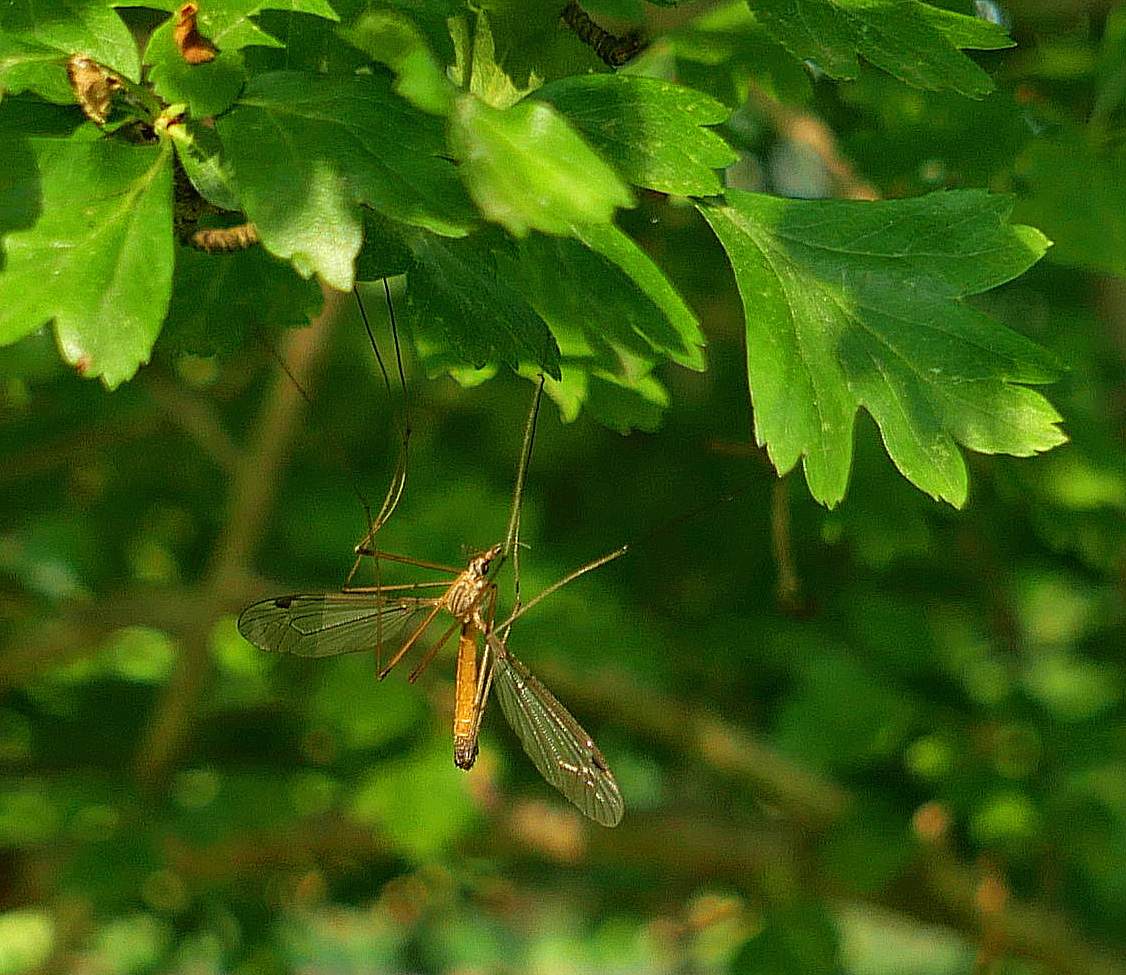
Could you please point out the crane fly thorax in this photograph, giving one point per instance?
(464, 596)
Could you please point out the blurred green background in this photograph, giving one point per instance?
(909, 757)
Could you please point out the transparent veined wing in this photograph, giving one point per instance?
(328, 624)
(564, 753)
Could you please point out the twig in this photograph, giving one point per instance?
(941, 889)
(806, 129)
(252, 492)
(704, 739)
(195, 416)
(788, 585)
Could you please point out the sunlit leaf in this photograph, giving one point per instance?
(306, 152)
(851, 305)
(653, 132)
(96, 253)
(914, 41)
(527, 169)
(90, 28)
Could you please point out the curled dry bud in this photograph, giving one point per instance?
(192, 45)
(94, 85)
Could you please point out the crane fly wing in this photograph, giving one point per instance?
(328, 624)
(564, 753)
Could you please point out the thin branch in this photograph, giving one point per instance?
(704, 739)
(943, 890)
(197, 417)
(252, 492)
(68, 449)
(806, 129)
(788, 585)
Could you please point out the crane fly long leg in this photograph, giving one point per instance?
(399, 477)
(484, 685)
(362, 550)
(379, 589)
(328, 624)
(412, 639)
(432, 652)
(565, 755)
(460, 600)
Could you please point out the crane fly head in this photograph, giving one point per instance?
(479, 564)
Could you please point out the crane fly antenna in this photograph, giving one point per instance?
(519, 611)
(366, 546)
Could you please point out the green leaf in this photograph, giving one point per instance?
(527, 169)
(795, 938)
(393, 39)
(385, 252)
(454, 290)
(87, 27)
(208, 88)
(651, 130)
(200, 153)
(614, 315)
(609, 307)
(858, 305)
(476, 55)
(312, 44)
(420, 802)
(97, 254)
(637, 402)
(604, 288)
(306, 152)
(31, 66)
(919, 44)
(510, 49)
(432, 20)
(1075, 192)
(24, 116)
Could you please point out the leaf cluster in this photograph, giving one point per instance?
(482, 154)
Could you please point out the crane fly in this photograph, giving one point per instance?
(363, 618)
(395, 617)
